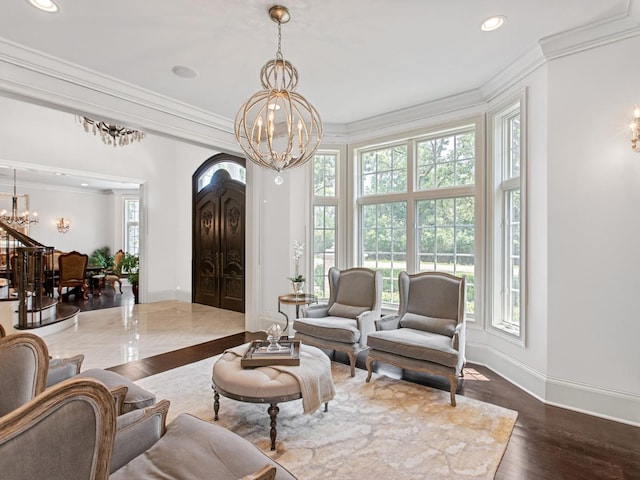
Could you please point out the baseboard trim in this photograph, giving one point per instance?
(600, 402)
(592, 400)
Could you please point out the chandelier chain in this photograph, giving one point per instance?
(279, 52)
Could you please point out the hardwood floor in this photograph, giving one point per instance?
(108, 299)
(547, 442)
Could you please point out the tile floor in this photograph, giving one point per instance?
(113, 336)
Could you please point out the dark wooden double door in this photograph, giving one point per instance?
(219, 244)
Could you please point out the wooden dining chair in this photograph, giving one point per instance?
(72, 268)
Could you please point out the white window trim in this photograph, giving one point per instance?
(337, 201)
(125, 221)
(495, 244)
(412, 196)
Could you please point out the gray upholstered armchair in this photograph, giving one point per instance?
(345, 321)
(65, 432)
(70, 431)
(428, 333)
(24, 359)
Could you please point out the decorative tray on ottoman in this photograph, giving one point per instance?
(259, 354)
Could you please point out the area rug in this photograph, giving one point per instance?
(383, 429)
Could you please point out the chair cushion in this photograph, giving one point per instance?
(357, 287)
(417, 344)
(137, 397)
(346, 311)
(196, 449)
(441, 326)
(337, 329)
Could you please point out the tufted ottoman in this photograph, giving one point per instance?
(272, 384)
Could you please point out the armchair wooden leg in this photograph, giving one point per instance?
(453, 380)
(369, 365)
(352, 362)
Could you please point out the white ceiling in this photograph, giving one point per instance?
(356, 58)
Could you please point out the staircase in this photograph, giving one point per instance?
(27, 299)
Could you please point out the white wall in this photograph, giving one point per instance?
(525, 362)
(594, 194)
(90, 214)
(42, 137)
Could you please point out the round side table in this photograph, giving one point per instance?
(297, 300)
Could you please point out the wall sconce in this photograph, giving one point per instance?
(635, 129)
(63, 225)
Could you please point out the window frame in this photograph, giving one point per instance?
(335, 201)
(413, 195)
(499, 187)
(126, 223)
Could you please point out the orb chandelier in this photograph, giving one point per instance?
(111, 134)
(15, 219)
(277, 128)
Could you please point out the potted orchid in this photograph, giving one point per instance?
(297, 280)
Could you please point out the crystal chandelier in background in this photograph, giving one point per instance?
(278, 128)
(111, 134)
(16, 220)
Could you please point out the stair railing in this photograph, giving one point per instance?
(27, 266)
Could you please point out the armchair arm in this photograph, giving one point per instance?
(315, 311)
(388, 322)
(366, 325)
(63, 368)
(119, 393)
(268, 472)
(455, 339)
(136, 432)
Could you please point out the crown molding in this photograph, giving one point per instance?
(38, 78)
(590, 36)
(32, 76)
(413, 117)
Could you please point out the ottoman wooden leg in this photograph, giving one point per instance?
(273, 413)
(216, 404)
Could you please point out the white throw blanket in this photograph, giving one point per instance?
(313, 375)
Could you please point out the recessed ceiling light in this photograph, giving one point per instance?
(184, 72)
(84, 184)
(45, 5)
(493, 23)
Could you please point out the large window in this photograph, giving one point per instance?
(417, 208)
(132, 225)
(325, 219)
(507, 232)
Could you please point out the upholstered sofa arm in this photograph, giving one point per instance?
(63, 368)
(366, 325)
(315, 311)
(137, 431)
(388, 322)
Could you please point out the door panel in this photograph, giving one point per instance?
(232, 250)
(219, 238)
(206, 251)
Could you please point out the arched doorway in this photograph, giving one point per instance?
(218, 271)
